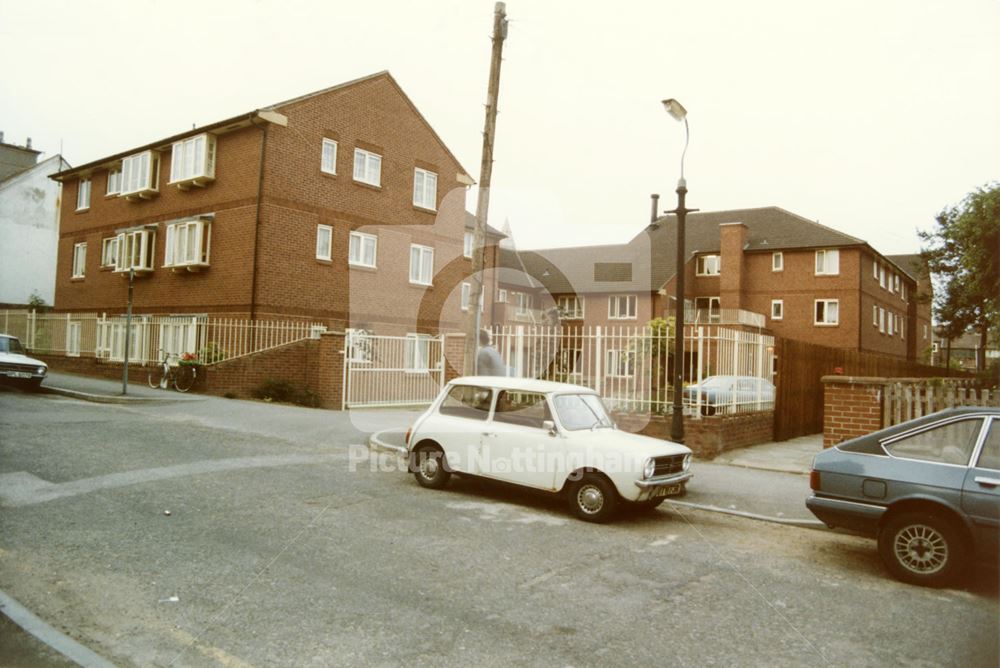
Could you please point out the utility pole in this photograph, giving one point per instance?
(483, 201)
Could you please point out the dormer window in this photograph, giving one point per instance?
(708, 265)
(141, 175)
(192, 161)
(188, 244)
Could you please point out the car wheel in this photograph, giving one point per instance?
(429, 467)
(922, 549)
(592, 498)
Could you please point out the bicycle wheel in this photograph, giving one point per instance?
(155, 377)
(184, 377)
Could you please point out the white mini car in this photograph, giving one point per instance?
(545, 435)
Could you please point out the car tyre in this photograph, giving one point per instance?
(429, 467)
(592, 498)
(922, 549)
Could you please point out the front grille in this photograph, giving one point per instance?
(668, 465)
(10, 366)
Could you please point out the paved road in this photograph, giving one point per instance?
(276, 554)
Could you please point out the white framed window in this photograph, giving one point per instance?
(570, 361)
(362, 250)
(875, 315)
(777, 309)
(135, 251)
(882, 277)
(358, 345)
(925, 331)
(192, 160)
(324, 242)
(73, 338)
(708, 307)
(114, 181)
(902, 291)
(83, 195)
(425, 185)
(502, 295)
(890, 322)
(827, 262)
(367, 167)
(881, 320)
(523, 301)
(875, 268)
(111, 339)
(328, 162)
(620, 363)
(467, 244)
(109, 252)
(79, 260)
(416, 354)
(708, 265)
(467, 297)
(188, 243)
(179, 336)
(902, 328)
(896, 283)
(141, 174)
(777, 261)
(622, 307)
(827, 311)
(421, 264)
(570, 307)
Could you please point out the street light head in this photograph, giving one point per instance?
(675, 109)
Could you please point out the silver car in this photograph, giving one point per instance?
(16, 368)
(928, 489)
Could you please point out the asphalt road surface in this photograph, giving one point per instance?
(276, 553)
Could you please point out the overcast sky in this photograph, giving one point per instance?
(869, 116)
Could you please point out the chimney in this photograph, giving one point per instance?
(1, 136)
(732, 282)
(654, 212)
(29, 143)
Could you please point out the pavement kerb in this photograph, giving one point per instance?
(377, 441)
(58, 641)
(108, 398)
(756, 467)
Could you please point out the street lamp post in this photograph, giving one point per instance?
(678, 112)
(128, 331)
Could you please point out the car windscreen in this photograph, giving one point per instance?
(581, 411)
(8, 344)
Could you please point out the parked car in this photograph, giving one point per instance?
(718, 393)
(927, 489)
(548, 436)
(16, 368)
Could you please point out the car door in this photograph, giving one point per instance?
(516, 447)
(459, 424)
(981, 491)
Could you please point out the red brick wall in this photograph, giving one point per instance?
(294, 363)
(708, 436)
(851, 408)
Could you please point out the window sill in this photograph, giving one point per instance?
(76, 279)
(323, 260)
(421, 285)
(329, 175)
(111, 196)
(826, 324)
(821, 275)
(107, 268)
(362, 267)
(423, 209)
(706, 276)
(83, 210)
(371, 186)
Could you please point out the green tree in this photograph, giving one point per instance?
(963, 252)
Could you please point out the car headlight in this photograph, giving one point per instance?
(687, 461)
(649, 468)
(42, 370)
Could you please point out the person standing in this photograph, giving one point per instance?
(488, 360)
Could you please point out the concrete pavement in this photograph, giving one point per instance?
(103, 390)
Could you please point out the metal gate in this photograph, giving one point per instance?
(392, 370)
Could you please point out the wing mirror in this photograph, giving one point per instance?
(549, 426)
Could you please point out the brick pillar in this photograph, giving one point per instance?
(330, 370)
(732, 239)
(454, 356)
(851, 407)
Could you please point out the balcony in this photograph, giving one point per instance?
(724, 316)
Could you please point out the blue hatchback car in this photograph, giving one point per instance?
(927, 489)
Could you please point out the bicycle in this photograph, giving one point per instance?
(182, 375)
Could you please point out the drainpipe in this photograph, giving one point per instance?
(256, 230)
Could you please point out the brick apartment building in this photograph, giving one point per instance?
(341, 206)
(763, 267)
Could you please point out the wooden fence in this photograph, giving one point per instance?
(800, 367)
(911, 399)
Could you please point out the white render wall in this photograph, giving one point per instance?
(29, 233)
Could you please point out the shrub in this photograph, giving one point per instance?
(285, 391)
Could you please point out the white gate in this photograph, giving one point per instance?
(392, 370)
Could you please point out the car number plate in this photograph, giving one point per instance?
(18, 374)
(669, 490)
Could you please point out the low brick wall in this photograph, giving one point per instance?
(708, 436)
(852, 406)
(91, 366)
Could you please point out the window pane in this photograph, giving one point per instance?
(359, 165)
(354, 254)
(832, 312)
(990, 456)
(527, 409)
(948, 444)
(414, 263)
(468, 402)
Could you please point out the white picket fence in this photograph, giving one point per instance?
(726, 371)
(211, 340)
(908, 399)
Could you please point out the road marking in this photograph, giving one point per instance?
(60, 642)
(495, 512)
(23, 489)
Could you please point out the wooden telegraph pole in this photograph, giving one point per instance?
(483, 201)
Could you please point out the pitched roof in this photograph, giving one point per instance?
(247, 118)
(912, 263)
